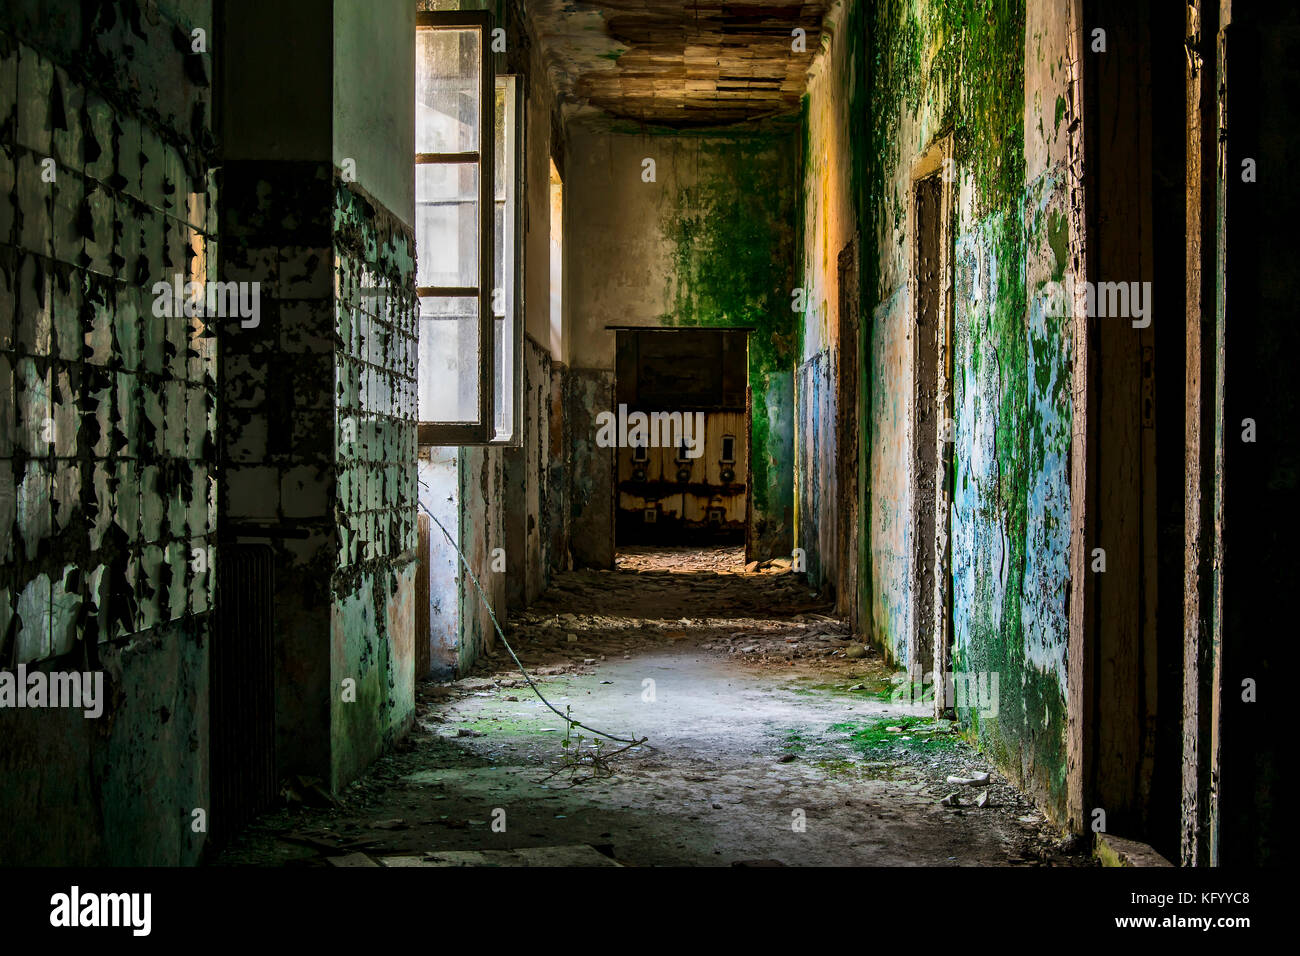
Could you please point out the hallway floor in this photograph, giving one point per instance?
(760, 720)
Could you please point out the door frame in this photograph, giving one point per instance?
(848, 372)
(937, 160)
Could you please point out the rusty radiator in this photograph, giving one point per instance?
(242, 709)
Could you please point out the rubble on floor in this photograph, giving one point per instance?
(765, 742)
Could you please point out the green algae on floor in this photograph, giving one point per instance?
(515, 727)
(871, 687)
(875, 741)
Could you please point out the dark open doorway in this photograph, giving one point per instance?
(1130, 432)
(848, 373)
(926, 206)
(931, 428)
(682, 437)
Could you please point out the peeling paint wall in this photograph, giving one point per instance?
(530, 510)
(830, 205)
(482, 538)
(816, 401)
(498, 504)
(710, 242)
(894, 77)
(536, 472)
(320, 445)
(587, 393)
(558, 468)
(319, 438)
(438, 474)
(107, 417)
(373, 589)
(277, 427)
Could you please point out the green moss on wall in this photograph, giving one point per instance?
(962, 62)
(734, 241)
(733, 234)
(929, 67)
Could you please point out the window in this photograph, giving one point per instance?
(507, 297)
(728, 449)
(466, 234)
(557, 264)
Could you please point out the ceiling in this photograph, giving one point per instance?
(678, 62)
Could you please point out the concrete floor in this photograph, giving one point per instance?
(765, 744)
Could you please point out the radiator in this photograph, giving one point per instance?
(242, 713)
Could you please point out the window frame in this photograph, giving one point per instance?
(516, 319)
(480, 432)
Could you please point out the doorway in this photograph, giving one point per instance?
(928, 647)
(1130, 433)
(846, 480)
(681, 437)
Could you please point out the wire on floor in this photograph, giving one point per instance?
(487, 604)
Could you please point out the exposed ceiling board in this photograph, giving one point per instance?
(679, 62)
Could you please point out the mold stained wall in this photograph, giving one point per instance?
(373, 589)
(710, 242)
(827, 224)
(997, 77)
(107, 416)
(319, 434)
(535, 474)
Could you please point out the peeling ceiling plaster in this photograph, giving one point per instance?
(678, 62)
